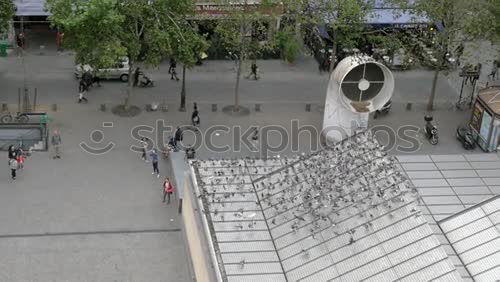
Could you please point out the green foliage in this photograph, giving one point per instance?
(239, 30)
(6, 13)
(494, 7)
(288, 44)
(101, 31)
(463, 21)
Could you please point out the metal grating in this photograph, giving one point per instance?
(475, 235)
(342, 214)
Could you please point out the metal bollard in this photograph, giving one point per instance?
(214, 107)
(257, 107)
(103, 107)
(5, 107)
(409, 105)
(308, 107)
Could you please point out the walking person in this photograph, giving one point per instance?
(20, 157)
(12, 152)
(195, 118)
(82, 89)
(144, 145)
(178, 136)
(13, 168)
(56, 143)
(172, 70)
(494, 71)
(168, 189)
(254, 69)
(137, 75)
(154, 160)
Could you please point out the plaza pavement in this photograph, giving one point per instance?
(100, 218)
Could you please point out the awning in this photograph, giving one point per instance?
(30, 8)
(389, 16)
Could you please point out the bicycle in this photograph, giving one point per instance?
(19, 117)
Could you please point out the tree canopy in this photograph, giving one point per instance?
(7, 10)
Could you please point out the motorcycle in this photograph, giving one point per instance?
(431, 130)
(464, 135)
(384, 110)
(146, 81)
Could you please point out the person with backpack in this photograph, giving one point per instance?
(154, 161)
(168, 189)
(13, 168)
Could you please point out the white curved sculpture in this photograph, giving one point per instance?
(358, 86)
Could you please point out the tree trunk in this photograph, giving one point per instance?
(334, 51)
(126, 105)
(237, 88)
(183, 90)
(430, 105)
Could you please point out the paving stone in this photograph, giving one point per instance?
(453, 165)
(418, 166)
(424, 174)
(448, 158)
(432, 191)
(492, 180)
(430, 183)
(459, 173)
(482, 157)
(465, 182)
(488, 172)
(474, 199)
(414, 159)
(485, 165)
(441, 200)
(471, 190)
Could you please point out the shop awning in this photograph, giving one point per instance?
(30, 8)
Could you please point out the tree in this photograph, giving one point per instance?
(240, 31)
(7, 10)
(457, 21)
(101, 31)
(188, 49)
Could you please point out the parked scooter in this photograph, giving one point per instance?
(146, 81)
(384, 110)
(464, 135)
(431, 131)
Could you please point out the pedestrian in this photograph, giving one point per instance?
(137, 74)
(82, 89)
(172, 65)
(144, 145)
(154, 160)
(255, 134)
(178, 136)
(56, 143)
(168, 189)
(254, 70)
(195, 118)
(172, 70)
(13, 168)
(494, 71)
(59, 41)
(12, 152)
(20, 157)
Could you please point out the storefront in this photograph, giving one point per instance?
(485, 119)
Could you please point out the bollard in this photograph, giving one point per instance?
(257, 107)
(214, 107)
(5, 107)
(308, 107)
(54, 107)
(103, 107)
(409, 105)
(164, 107)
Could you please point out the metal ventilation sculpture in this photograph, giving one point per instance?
(358, 86)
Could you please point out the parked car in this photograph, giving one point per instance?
(118, 71)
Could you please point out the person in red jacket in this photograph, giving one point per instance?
(168, 189)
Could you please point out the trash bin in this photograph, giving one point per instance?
(3, 50)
